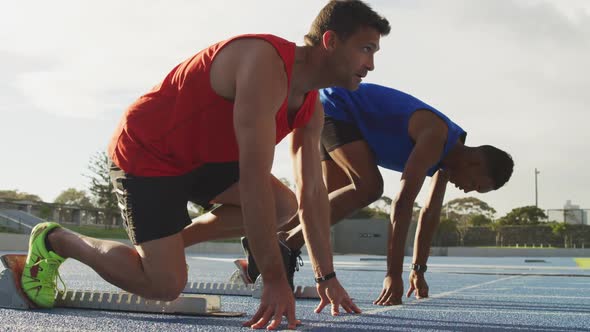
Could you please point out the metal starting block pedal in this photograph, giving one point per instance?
(12, 296)
(186, 304)
(237, 287)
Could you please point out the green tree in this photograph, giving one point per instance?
(564, 231)
(383, 205)
(526, 215)
(369, 213)
(468, 206)
(101, 187)
(446, 233)
(20, 196)
(45, 211)
(462, 210)
(386, 200)
(479, 220)
(72, 196)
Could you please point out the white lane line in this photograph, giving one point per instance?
(430, 266)
(495, 295)
(219, 259)
(398, 307)
(215, 259)
(577, 289)
(474, 266)
(471, 311)
(405, 306)
(526, 296)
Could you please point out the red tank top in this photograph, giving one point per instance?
(182, 123)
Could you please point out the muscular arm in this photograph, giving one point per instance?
(429, 217)
(261, 87)
(314, 212)
(311, 193)
(426, 153)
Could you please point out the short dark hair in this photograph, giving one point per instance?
(345, 17)
(499, 165)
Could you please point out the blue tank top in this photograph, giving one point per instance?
(382, 115)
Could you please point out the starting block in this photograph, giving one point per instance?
(237, 287)
(12, 296)
(11, 293)
(122, 301)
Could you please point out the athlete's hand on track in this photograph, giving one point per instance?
(418, 285)
(277, 301)
(331, 292)
(393, 290)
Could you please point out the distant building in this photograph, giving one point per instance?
(570, 214)
(60, 213)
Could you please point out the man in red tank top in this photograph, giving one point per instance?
(207, 134)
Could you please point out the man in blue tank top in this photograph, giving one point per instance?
(379, 126)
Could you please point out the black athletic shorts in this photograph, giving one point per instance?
(335, 134)
(156, 207)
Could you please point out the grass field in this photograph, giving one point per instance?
(99, 232)
(584, 263)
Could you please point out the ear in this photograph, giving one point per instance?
(329, 40)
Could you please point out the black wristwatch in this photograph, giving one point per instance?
(326, 277)
(421, 268)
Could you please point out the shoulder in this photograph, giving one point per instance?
(251, 49)
(425, 123)
(256, 60)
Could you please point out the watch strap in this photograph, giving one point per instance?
(326, 277)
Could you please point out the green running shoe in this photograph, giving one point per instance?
(40, 272)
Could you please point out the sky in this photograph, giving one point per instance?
(513, 74)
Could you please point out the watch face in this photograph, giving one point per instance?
(418, 267)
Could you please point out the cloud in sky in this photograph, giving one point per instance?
(512, 73)
(126, 46)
